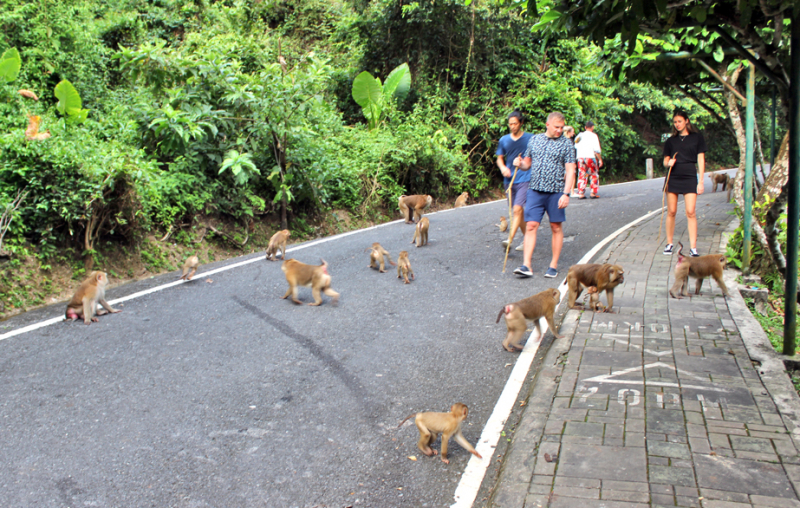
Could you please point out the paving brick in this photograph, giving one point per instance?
(575, 492)
(774, 502)
(623, 495)
(736, 497)
(627, 486)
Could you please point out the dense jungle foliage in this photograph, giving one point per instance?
(240, 112)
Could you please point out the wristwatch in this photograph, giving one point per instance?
(565, 193)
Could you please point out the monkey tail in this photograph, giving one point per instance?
(502, 311)
(412, 415)
(680, 248)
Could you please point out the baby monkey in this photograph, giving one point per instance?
(190, 268)
(315, 277)
(594, 299)
(404, 267)
(376, 254)
(278, 243)
(503, 224)
(84, 302)
(533, 308)
(421, 232)
(710, 265)
(431, 424)
(462, 200)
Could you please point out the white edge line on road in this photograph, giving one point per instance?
(472, 478)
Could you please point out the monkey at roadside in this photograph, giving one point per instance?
(421, 232)
(410, 204)
(190, 268)
(720, 178)
(380, 255)
(462, 200)
(404, 267)
(503, 224)
(710, 265)
(594, 300)
(604, 277)
(276, 243)
(84, 302)
(533, 308)
(315, 277)
(431, 424)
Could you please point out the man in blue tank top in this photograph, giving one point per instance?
(510, 146)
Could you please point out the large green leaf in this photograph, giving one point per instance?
(398, 83)
(10, 64)
(547, 18)
(69, 100)
(367, 93)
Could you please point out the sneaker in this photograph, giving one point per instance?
(693, 253)
(668, 250)
(504, 243)
(551, 273)
(520, 247)
(524, 271)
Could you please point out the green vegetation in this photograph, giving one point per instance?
(156, 119)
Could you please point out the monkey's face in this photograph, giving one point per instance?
(615, 274)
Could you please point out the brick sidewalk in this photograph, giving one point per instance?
(656, 405)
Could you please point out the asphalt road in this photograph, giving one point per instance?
(217, 393)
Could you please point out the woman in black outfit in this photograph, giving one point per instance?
(686, 176)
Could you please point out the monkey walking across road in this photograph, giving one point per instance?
(431, 424)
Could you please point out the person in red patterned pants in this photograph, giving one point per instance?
(590, 161)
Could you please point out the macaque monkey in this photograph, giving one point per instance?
(503, 224)
(404, 267)
(710, 265)
(377, 253)
(594, 300)
(421, 232)
(462, 200)
(604, 277)
(410, 204)
(276, 243)
(84, 302)
(190, 268)
(534, 307)
(718, 178)
(315, 277)
(431, 424)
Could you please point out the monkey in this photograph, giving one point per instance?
(410, 204)
(594, 300)
(503, 224)
(710, 265)
(404, 267)
(462, 200)
(421, 232)
(604, 277)
(718, 178)
(377, 253)
(84, 302)
(191, 264)
(534, 307)
(276, 243)
(431, 424)
(315, 277)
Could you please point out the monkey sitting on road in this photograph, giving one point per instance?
(710, 265)
(461, 200)
(84, 302)
(404, 267)
(191, 264)
(421, 232)
(503, 224)
(431, 424)
(410, 204)
(534, 307)
(604, 277)
(315, 277)
(376, 254)
(276, 243)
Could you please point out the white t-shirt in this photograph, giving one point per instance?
(587, 145)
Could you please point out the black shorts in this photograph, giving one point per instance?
(683, 179)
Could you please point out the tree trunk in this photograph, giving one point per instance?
(776, 187)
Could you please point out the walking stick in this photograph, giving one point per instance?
(664, 195)
(510, 216)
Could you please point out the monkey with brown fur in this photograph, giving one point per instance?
(533, 308)
(720, 178)
(594, 300)
(191, 264)
(431, 424)
(461, 200)
(503, 224)
(276, 243)
(421, 232)
(84, 302)
(404, 267)
(376, 254)
(710, 265)
(410, 204)
(604, 277)
(315, 277)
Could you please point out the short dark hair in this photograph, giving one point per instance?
(516, 114)
(589, 123)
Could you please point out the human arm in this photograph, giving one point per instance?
(569, 183)
(701, 169)
(502, 165)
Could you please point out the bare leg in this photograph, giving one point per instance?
(531, 228)
(517, 222)
(672, 211)
(690, 201)
(558, 242)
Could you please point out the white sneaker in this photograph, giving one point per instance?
(520, 247)
(504, 243)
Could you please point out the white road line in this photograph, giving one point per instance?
(472, 478)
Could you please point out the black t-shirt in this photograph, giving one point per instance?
(687, 147)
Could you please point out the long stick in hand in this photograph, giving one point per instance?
(664, 195)
(510, 216)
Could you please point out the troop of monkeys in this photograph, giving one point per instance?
(595, 278)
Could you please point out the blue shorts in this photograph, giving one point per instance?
(539, 202)
(519, 193)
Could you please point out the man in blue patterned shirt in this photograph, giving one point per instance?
(551, 159)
